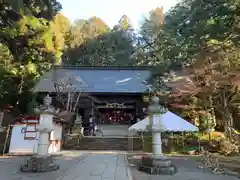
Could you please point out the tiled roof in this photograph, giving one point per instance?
(96, 80)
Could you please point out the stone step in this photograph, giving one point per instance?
(114, 130)
(103, 143)
(98, 143)
(100, 148)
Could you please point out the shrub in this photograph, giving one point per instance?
(214, 136)
(193, 136)
(227, 147)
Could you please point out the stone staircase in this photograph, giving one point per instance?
(98, 143)
(114, 130)
(112, 137)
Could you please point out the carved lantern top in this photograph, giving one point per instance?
(47, 101)
(155, 107)
(155, 100)
(46, 108)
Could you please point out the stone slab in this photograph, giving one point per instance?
(99, 170)
(95, 178)
(110, 171)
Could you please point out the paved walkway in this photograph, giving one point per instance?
(94, 166)
(80, 165)
(99, 167)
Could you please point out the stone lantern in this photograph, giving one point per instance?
(43, 162)
(156, 163)
(155, 112)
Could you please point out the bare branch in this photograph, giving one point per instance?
(66, 94)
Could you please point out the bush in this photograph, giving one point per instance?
(214, 136)
(192, 137)
(227, 147)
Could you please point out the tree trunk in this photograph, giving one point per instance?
(205, 99)
(212, 111)
(68, 101)
(76, 103)
(1, 117)
(228, 115)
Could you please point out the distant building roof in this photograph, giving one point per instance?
(95, 79)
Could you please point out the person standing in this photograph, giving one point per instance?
(132, 119)
(138, 119)
(90, 119)
(91, 125)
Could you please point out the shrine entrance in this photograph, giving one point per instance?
(117, 114)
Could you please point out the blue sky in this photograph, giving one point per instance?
(110, 11)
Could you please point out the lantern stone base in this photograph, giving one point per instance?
(157, 165)
(39, 164)
(2, 129)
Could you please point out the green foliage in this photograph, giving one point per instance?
(91, 42)
(156, 46)
(27, 41)
(202, 36)
(45, 9)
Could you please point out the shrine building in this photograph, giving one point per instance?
(113, 95)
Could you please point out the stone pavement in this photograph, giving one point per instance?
(183, 174)
(187, 170)
(73, 166)
(97, 165)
